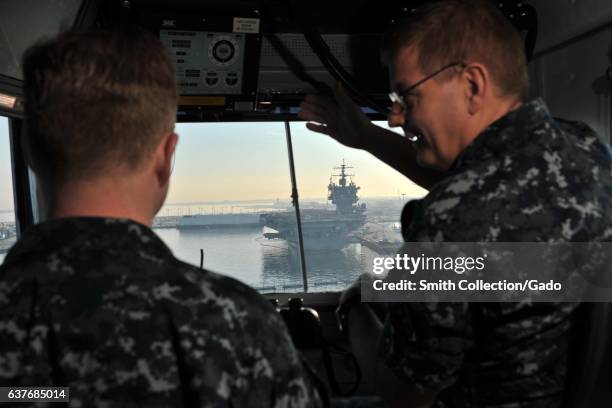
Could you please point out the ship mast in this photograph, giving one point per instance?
(343, 195)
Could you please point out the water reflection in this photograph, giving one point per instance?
(326, 269)
(267, 264)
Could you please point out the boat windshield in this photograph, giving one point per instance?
(230, 209)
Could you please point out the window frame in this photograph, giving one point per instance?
(22, 192)
(27, 211)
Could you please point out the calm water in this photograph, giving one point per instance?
(269, 265)
(273, 265)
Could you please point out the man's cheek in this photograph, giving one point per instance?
(427, 157)
(424, 157)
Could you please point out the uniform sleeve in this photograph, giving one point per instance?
(425, 343)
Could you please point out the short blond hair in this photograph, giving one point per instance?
(96, 102)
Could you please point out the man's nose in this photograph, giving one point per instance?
(396, 116)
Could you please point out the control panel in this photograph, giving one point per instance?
(216, 58)
(207, 63)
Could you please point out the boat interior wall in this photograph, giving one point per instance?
(561, 21)
(572, 57)
(42, 19)
(21, 25)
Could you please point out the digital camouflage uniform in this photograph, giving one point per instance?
(526, 178)
(102, 306)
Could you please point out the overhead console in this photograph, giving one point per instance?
(243, 59)
(256, 59)
(216, 58)
(250, 60)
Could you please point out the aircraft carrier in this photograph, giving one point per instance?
(322, 229)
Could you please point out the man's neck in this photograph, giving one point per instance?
(502, 110)
(496, 110)
(102, 199)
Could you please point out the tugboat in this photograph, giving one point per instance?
(322, 229)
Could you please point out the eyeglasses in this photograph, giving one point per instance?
(400, 97)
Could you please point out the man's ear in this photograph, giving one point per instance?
(478, 83)
(164, 158)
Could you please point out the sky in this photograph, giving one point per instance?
(249, 161)
(233, 161)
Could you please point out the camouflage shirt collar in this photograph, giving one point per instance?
(85, 232)
(508, 131)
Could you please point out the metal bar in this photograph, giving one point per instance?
(22, 197)
(296, 204)
(609, 98)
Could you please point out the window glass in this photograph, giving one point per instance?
(225, 177)
(7, 211)
(350, 208)
(229, 206)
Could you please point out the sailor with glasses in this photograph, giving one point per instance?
(498, 168)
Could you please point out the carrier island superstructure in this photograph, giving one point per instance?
(322, 229)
